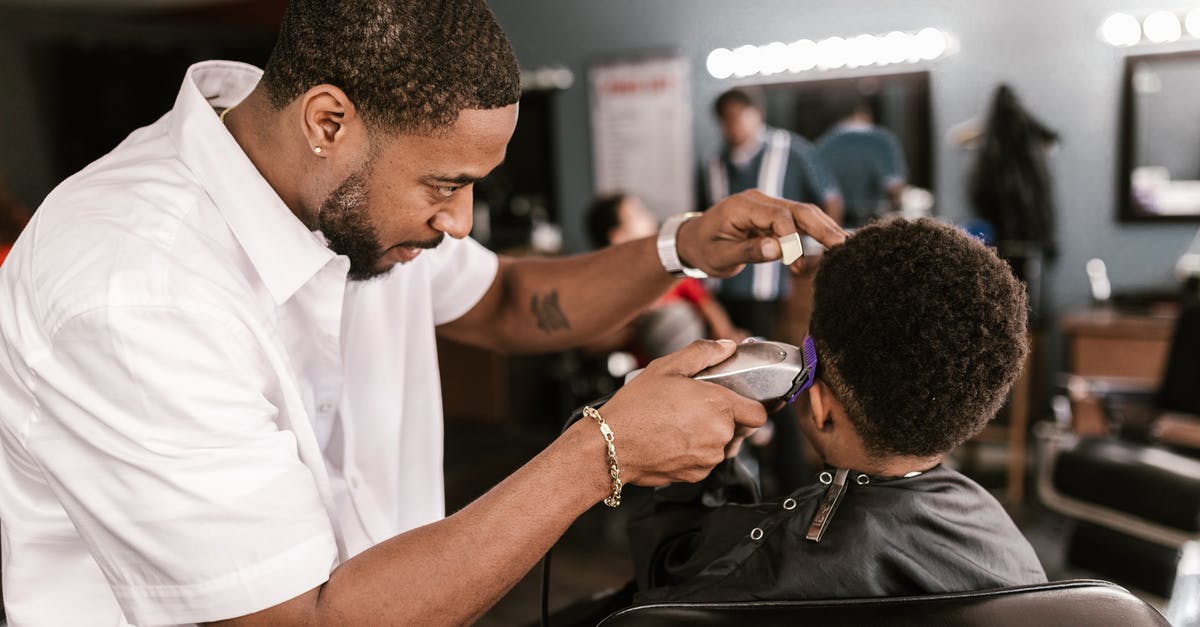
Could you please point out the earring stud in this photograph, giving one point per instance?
(317, 149)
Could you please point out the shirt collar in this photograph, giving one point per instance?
(283, 251)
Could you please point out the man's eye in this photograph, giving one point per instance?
(448, 191)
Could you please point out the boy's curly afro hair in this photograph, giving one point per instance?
(920, 332)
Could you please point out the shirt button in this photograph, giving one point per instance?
(354, 482)
(325, 408)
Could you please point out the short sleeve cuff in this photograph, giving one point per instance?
(252, 589)
(464, 273)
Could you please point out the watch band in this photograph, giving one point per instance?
(668, 252)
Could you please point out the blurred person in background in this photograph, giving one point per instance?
(867, 162)
(781, 164)
(681, 316)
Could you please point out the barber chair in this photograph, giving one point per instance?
(1076, 602)
(1137, 499)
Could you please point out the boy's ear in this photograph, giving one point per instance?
(820, 397)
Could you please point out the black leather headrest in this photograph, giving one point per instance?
(1075, 602)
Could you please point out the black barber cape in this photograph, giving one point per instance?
(931, 533)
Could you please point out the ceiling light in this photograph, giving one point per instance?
(1121, 29)
(895, 48)
(774, 57)
(802, 55)
(1193, 23)
(864, 51)
(831, 53)
(746, 61)
(1161, 27)
(720, 63)
(930, 44)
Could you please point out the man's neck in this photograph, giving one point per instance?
(858, 121)
(252, 123)
(741, 154)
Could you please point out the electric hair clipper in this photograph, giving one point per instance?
(766, 371)
(763, 371)
(760, 370)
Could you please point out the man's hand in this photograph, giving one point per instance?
(744, 229)
(670, 427)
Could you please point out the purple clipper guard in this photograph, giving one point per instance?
(809, 351)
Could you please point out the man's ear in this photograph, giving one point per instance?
(329, 121)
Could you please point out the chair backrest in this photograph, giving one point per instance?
(1073, 602)
(1179, 391)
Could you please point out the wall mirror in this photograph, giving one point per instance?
(898, 102)
(1159, 176)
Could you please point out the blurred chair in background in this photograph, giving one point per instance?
(1135, 488)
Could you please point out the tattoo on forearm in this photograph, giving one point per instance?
(549, 315)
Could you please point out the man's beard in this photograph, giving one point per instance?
(344, 223)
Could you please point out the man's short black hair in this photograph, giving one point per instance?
(603, 215)
(920, 333)
(408, 65)
(737, 95)
(846, 104)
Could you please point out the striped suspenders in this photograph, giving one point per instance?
(770, 181)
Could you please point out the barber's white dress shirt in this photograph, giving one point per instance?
(199, 416)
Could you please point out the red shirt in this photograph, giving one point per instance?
(688, 289)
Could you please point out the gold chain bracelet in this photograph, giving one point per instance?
(614, 470)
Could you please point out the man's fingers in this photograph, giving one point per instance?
(817, 224)
(748, 414)
(697, 356)
(765, 214)
(786, 217)
(752, 250)
(781, 217)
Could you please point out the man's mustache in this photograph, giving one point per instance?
(429, 243)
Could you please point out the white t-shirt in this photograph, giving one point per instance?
(199, 416)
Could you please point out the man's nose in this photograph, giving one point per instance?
(456, 216)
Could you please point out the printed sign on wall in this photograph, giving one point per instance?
(642, 132)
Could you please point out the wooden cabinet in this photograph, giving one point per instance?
(1114, 350)
(1111, 344)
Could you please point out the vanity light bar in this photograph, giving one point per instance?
(555, 77)
(828, 54)
(1160, 27)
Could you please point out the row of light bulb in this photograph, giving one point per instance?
(1122, 29)
(828, 54)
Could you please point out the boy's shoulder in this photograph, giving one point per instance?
(935, 532)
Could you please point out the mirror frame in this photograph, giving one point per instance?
(1126, 210)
